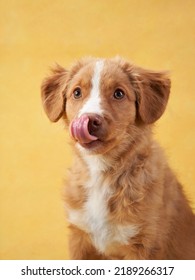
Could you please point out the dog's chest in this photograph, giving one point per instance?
(93, 218)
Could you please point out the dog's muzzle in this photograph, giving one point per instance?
(85, 128)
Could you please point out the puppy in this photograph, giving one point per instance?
(122, 199)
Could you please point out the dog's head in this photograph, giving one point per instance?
(105, 101)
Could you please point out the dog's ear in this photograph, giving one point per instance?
(151, 89)
(52, 93)
(152, 93)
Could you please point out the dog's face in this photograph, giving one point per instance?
(105, 102)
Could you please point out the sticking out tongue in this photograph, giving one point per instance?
(79, 130)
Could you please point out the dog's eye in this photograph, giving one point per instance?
(119, 94)
(77, 93)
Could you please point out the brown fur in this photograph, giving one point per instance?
(145, 192)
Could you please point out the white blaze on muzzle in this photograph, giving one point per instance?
(93, 103)
(79, 127)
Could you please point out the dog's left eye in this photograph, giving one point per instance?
(77, 93)
(119, 94)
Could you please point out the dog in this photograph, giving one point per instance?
(123, 201)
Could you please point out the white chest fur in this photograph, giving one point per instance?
(93, 217)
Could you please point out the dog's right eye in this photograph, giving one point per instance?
(77, 93)
(119, 94)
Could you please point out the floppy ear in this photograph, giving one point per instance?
(152, 93)
(52, 93)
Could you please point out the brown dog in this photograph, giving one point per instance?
(123, 201)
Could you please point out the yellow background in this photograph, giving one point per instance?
(34, 153)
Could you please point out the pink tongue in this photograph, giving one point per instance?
(79, 130)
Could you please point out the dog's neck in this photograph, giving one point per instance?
(125, 156)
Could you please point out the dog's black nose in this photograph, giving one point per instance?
(95, 124)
